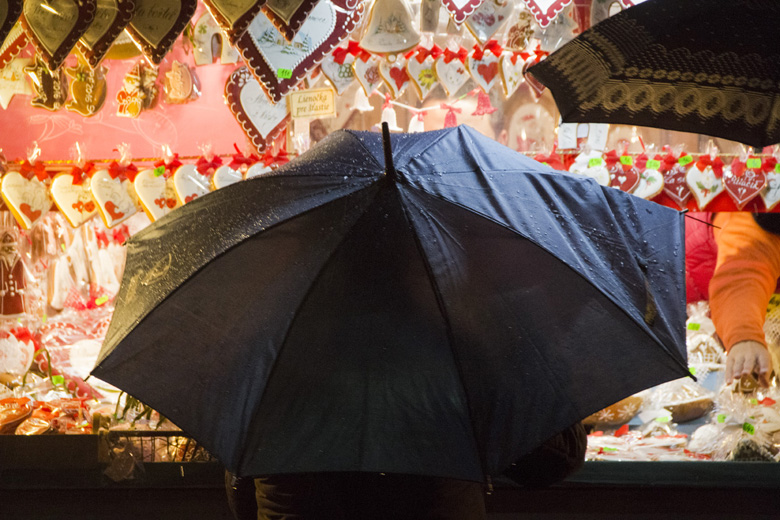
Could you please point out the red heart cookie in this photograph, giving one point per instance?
(675, 186)
(280, 65)
(395, 76)
(745, 187)
(484, 70)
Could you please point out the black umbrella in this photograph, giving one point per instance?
(439, 319)
(704, 66)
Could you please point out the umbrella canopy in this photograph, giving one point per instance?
(704, 66)
(440, 319)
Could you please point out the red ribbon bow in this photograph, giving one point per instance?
(117, 170)
(768, 164)
(422, 53)
(79, 174)
(490, 46)
(449, 55)
(102, 238)
(611, 158)
(240, 159)
(38, 170)
(716, 164)
(206, 167)
(170, 166)
(552, 160)
(641, 161)
(668, 162)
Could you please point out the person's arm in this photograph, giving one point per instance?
(745, 277)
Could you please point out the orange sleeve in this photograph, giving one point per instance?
(745, 277)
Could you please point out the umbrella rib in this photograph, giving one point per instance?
(445, 315)
(473, 211)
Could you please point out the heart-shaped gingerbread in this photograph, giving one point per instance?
(366, 70)
(155, 193)
(55, 26)
(545, 11)
(451, 73)
(341, 75)
(28, 199)
(280, 65)
(234, 16)
(771, 193)
(113, 196)
(590, 164)
(422, 75)
(651, 184)
(204, 35)
(10, 11)
(488, 18)
(624, 179)
(189, 183)
(395, 76)
(73, 200)
(704, 185)
(15, 41)
(261, 120)
(156, 25)
(460, 9)
(743, 188)
(675, 186)
(484, 71)
(288, 15)
(111, 18)
(225, 176)
(512, 69)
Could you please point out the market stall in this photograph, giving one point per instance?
(116, 113)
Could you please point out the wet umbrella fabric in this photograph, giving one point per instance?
(440, 321)
(704, 66)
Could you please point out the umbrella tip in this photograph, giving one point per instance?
(389, 167)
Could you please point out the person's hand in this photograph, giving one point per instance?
(748, 357)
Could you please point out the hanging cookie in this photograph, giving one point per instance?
(71, 193)
(123, 48)
(189, 183)
(157, 24)
(521, 31)
(704, 180)
(590, 164)
(451, 70)
(111, 19)
(395, 76)
(14, 42)
(545, 11)
(483, 65)
(288, 16)
(651, 181)
(54, 26)
(87, 89)
(337, 67)
(422, 73)
(488, 18)
(51, 88)
(139, 90)
(13, 80)
(180, 84)
(208, 43)
(10, 11)
(460, 9)
(234, 16)
(771, 193)
(261, 120)
(366, 68)
(26, 193)
(155, 192)
(674, 170)
(280, 65)
(744, 180)
(512, 68)
(389, 29)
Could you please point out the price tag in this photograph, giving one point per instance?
(754, 163)
(685, 160)
(694, 326)
(626, 160)
(57, 380)
(721, 418)
(284, 73)
(749, 428)
(101, 300)
(692, 370)
(653, 164)
(597, 136)
(567, 136)
(159, 171)
(777, 168)
(596, 161)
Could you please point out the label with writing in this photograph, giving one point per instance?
(653, 164)
(51, 22)
(284, 73)
(596, 161)
(319, 102)
(263, 115)
(104, 16)
(154, 19)
(627, 160)
(754, 163)
(685, 160)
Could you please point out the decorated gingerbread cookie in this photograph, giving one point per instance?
(28, 199)
(87, 89)
(73, 198)
(190, 184)
(55, 26)
(113, 197)
(156, 25)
